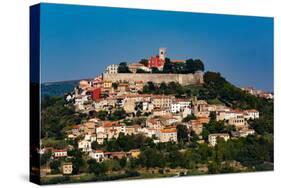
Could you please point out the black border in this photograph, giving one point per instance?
(34, 95)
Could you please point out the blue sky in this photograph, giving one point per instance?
(80, 41)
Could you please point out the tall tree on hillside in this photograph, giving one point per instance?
(123, 68)
(191, 66)
(199, 66)
(168, 66)
(182, 133)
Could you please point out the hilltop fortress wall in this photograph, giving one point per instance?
(183, 79)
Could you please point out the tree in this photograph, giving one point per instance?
(77, 163)
(213, 168)
(144, 62)
(123, 162)
(102, 115)
(188, 118)
(112, 165)
(262, 125)
(55, 115)
(118, 114)
(199, 65)
(155, 70)
(175, 158)
(55, 165)
(149, 87)
(123, 68)
(151, 158)
(115, 85)
(191, 158)
(182, 133)
(230, 128)
(168, 66)
(163, 87)
(133, 163)
(127, 142)
(44, 158)
(95, 167)
(213, 116)
(205, 152)
(191, 66)
(213, 127)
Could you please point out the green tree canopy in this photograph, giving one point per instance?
(123, 68)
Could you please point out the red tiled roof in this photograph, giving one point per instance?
(76, 126)
(170, 130)
(99, 151)
(59, 150)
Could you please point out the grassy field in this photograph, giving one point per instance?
(54, 143)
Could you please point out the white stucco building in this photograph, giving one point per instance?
(85, 145)
(212, 138)
(112, 69)
(98, 155)
(175, 107)
(251, 114)
(60, 153)
(168, 135)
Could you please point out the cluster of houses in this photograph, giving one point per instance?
(258, 92)
(162, 114)
(162, 129)
(66, 166)
(236, 117)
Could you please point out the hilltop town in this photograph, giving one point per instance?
(160, 114)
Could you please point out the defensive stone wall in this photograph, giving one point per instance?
(183, 79)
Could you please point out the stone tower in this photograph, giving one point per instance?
(162, 53)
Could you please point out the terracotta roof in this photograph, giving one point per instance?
(136, 64)
(251, 110)
(167, 117)
(59, 150)
(235, 111)
(181, 100)
(110, 123)
(170, 130)
(154, 121)
(76, 126)
(203, 119)
(98, 151)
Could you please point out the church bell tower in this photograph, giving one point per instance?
(162, 53)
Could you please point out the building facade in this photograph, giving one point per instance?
(67, 168)
(212, 138)
(112, 69)
(168, 135)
